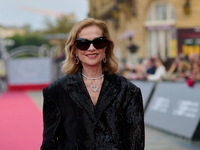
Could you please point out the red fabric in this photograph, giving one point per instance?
(26, 87)
(20, 122)
(190, 83)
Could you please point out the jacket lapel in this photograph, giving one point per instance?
(110, 88)
(79, 93)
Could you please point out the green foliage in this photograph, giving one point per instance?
(25, 56)
(27, 39)
(62, 25)
(27, 28)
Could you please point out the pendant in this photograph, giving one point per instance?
(94, 88)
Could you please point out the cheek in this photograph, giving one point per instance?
(79, 53)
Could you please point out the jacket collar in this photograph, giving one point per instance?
(78, 91)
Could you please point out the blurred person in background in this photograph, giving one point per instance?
(179, 69)
(193, 58)
(156, 55)
(150, 66)
(160, 71)
(128, 71)
(194, 75)
(140, 70)
(91, 107)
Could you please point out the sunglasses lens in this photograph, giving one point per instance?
(99, 43)
(82, 44)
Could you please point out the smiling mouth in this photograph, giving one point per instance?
(91, 55)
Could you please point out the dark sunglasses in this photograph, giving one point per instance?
(84, 44)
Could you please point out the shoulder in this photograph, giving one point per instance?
(129, 89)
(56, 85)
(124, 82)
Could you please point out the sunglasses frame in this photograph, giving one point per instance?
(103, 38)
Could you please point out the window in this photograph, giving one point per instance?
(159, 24)
(160, 11)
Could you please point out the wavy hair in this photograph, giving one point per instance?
(70, 66)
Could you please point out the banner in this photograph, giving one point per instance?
(175, 108)
(29, 71)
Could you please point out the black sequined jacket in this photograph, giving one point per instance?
(71, 122)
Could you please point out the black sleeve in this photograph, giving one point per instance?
(51, 120)
(134, 123)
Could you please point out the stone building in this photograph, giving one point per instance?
(10, 31)
(167, 27)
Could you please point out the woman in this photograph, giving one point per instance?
(91, 108)
(160, 71)
(194, 75)
(179, 69)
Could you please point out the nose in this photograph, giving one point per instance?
(91, 47)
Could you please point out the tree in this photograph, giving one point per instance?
(27, 39)
(62, 25)
(27, 28)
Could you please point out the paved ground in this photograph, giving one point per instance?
(155, 139)
(158, 140)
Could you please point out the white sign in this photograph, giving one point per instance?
(161, 104)
(186, 108)
(29, 71)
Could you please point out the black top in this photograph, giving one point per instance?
(71, 122)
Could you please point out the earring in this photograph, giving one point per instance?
(77, 59)
(104, 59)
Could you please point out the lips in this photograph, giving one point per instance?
(91, 55)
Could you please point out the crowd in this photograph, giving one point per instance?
(154, 69)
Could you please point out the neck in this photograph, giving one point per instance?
(92, 72)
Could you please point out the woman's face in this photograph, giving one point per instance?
(157, 63)
(91, 57)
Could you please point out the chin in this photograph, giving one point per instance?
(93, 63)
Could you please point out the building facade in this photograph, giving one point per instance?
(167, 27)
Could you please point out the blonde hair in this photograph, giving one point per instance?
(70, 66)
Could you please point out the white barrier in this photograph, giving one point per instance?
(174, 107)
(29, 71)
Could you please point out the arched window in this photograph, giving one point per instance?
(160, 28)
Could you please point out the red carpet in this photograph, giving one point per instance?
(20, 122)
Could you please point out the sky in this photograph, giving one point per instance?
(12, 12)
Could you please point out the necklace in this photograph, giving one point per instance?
(93, 87)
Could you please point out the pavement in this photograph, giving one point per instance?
(154, 138)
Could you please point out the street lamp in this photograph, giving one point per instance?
(186, 7)
(115, 15)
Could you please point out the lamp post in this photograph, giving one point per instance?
(186, 7)
(115, 14)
